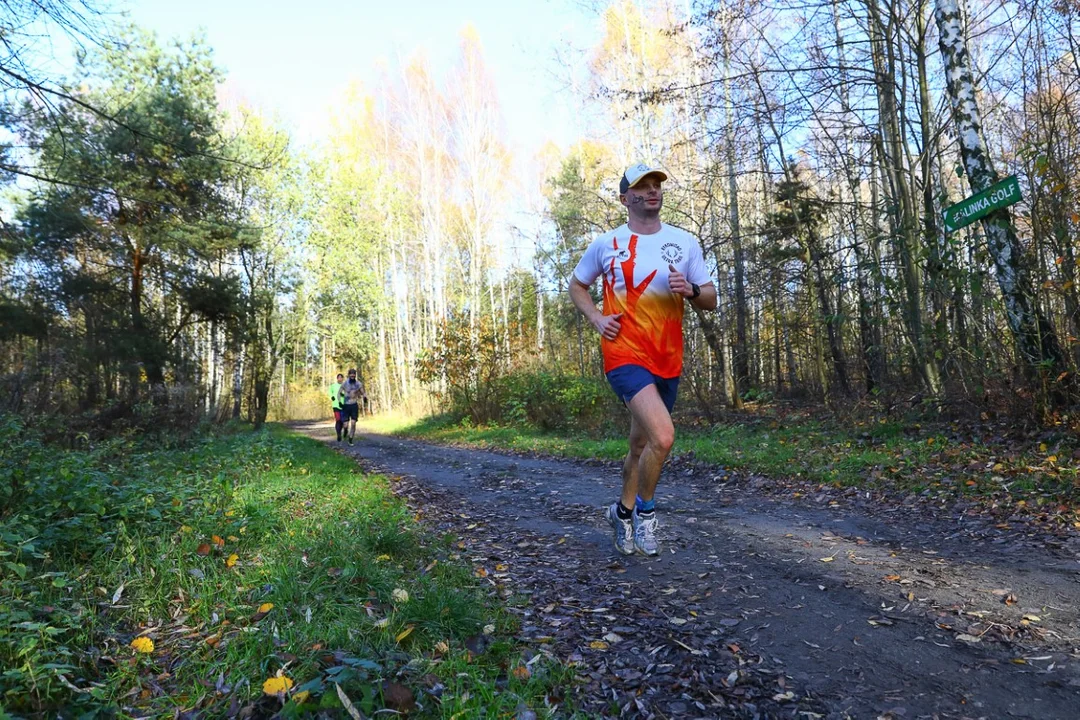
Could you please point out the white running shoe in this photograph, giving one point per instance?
(624, 530)
(645, 534)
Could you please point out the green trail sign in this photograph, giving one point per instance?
(967, 211)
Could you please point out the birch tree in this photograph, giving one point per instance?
(1035, 337)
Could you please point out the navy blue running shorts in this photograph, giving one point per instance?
(628, 380)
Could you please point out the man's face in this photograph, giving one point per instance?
(645, 198)
(352, 376)
(340, 377)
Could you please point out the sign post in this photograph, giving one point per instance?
(999, 195)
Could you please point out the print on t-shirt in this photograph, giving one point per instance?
(634, 271)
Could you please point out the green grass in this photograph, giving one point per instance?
(199, 538)
(944, 460)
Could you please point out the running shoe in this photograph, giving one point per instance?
(645, 534)
(350, 442)
(624, 530)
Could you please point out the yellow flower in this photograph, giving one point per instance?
(277, 685)
(142, 644)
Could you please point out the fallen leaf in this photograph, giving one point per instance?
(262, 612)
(1010, 599)
(218, 540)
(403, 634)
(347, 704)
(398, 697)
(524, 712)
(203, 549)
(892, 578)
(142, 645)
(521, 672)
(968, 638)
(231, 560)
(442, 648)
(400, 596)
(1032, 618)
(477, 644)
(598, 645)
(277, 685)
(826, 559)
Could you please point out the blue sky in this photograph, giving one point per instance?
(294, 59)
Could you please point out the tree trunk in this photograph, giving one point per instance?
(741, 359)
(1034, 335)
(882, 41)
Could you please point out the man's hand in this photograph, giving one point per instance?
(677, 282)
(608, 325)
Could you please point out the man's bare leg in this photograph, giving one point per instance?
(652, 431)
(631, 465)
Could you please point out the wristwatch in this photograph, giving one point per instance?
(697, 290)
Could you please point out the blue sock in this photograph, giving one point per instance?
(645, 506)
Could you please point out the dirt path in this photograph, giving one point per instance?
(762, 603)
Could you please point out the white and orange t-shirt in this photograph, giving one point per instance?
(634, 269)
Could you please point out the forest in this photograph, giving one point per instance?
(870, 508)
(165, 245)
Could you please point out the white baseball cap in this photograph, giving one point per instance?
(634, 173)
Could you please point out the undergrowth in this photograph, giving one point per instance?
(242, 572)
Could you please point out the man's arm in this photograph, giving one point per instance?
(606, 325)
(707, 299)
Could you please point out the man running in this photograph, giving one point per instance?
(647, 268)
(335, 403)
(350, 393)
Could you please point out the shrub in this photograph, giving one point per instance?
(464, 365)
(555, 401)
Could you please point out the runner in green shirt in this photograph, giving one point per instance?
(335, 403)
